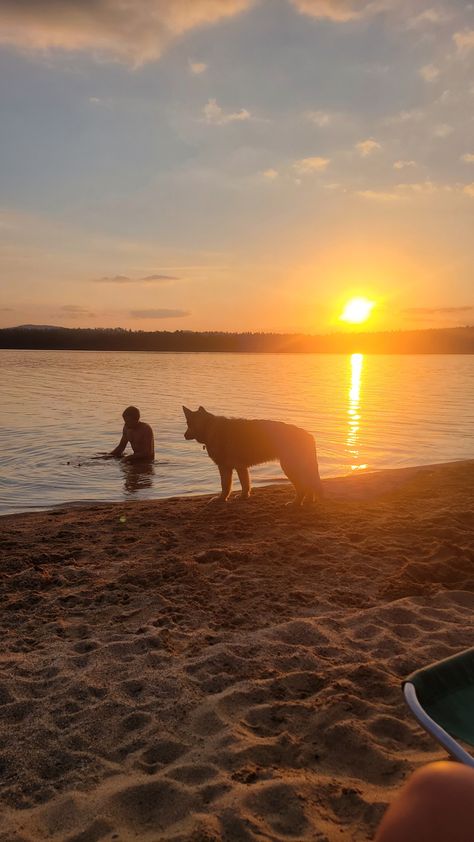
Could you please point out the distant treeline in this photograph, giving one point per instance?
(459, 340)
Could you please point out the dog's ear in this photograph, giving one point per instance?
(187, 412)
(201, 410)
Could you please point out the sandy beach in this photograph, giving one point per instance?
(181, 671)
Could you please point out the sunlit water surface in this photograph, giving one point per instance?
(60, 408)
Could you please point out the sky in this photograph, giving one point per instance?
(236, 164)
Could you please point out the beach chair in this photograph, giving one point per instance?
(441, 697)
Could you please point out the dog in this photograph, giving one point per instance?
(238, 443)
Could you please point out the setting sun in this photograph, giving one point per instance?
(357, 310)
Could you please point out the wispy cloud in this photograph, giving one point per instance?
(341, 10)
(270, 174)
(320, 118)
(432, 311)
(423, 187)
(215, 115)
(464, 40)
(159, 314)
(134, 31)
(434, 16)
(113, 279)
(417, 189)
(468, 158)
(401, 165)
(412, 115)
(443, 130)
(308, 166)
(137, 31)
(75, 311)
(124, 279)
(367, 147)
(378, 195)
(429, 72)
(159, 278)
(196, 68)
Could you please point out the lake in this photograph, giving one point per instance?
(60, 408)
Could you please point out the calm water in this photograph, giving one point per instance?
(59, 408)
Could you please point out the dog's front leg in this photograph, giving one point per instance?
(244, 477)
(226, 482)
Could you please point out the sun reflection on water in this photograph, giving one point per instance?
(353, 411)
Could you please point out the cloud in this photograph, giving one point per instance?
(270, 174)
(443, 130)
(159, 278)
(366, 147)
(137, 31)
(214, 114)
(429, 72)
(307, 166)
(378, 195)
(319, 118)
(134, 31)
(74, 311)
(159, 314)
(412, 115)
(124, 279)
(417, 189)
(429, 16)
(432, 311)
(468, 158)
(340, 10)
(197, 67)
(400, 165)
(114, 279)
(423, 187)
(464, 40)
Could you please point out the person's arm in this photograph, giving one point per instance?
(117, 451)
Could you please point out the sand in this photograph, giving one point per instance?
(181, 671)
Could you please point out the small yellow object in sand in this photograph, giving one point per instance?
(122, 519)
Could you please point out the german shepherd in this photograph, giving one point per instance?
(237, 443)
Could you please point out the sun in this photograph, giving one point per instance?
(357, 310)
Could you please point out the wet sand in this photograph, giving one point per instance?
(180, 671)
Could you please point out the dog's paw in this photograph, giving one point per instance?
(294, 504)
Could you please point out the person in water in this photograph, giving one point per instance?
(140, 436)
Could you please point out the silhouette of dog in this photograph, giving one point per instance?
(238, 443)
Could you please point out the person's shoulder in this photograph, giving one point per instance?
(145, 426)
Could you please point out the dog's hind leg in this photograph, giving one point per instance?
(244, 477)
(292, 473)
(226, 482)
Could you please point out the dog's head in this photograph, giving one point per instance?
(198, 423)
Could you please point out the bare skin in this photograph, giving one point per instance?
(435, 805)
(140, 436)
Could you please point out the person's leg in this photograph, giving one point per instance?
(435, 805)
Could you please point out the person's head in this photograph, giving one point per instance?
(131, 416)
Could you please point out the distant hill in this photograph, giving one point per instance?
(37, 327)
(457, 340)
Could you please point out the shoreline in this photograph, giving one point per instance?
(277, 482)
(191, 672)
